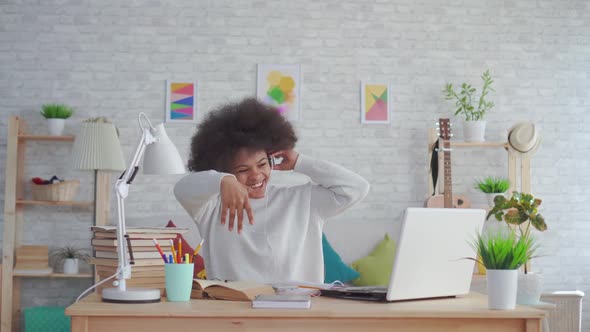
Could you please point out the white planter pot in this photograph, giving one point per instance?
(530, 286)
(491, 197)
(56, 126)
(71, 266)
(474, 131)
(502, 286)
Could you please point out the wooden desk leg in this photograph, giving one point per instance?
(79, 324)
(533, 325)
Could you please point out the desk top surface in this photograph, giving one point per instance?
(473, 305)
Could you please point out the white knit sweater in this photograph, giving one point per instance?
(285, 242)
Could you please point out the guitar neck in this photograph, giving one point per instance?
(448, 176)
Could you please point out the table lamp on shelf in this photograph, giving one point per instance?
(161, 157)
(97, 148)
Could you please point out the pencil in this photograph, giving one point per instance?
(197, 249)
(173, 251)
(179, 250)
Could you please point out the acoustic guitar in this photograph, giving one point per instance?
(447, 200)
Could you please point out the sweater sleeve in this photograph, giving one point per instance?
(194, 190)
(335, 188)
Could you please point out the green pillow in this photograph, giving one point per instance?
(375, 269)
(334, 267)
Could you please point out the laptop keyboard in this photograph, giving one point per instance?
(366, 289)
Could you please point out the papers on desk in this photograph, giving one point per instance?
(281, 301)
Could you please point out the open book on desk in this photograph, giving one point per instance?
(228, 290)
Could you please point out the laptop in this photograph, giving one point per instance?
(429, 256)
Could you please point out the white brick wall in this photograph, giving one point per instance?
(111, 58)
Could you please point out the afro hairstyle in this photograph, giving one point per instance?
(248, 124)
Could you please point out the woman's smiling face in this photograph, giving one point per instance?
(252, 169)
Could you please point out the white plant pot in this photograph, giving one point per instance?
(530, 287)
(502, 285)
(491, 197)
(56, 126)
(474, 131)
(71, 266)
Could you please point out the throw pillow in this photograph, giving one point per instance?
(375, 268)
(334, 267)
(186, 248)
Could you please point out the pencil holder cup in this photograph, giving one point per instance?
(179, 282)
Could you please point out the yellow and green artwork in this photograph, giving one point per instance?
(279, 86)
(375, 103)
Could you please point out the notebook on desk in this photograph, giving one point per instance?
(429, 260)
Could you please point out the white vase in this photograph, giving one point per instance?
(71, 266)
(474, 131)
(502, 285)
(530, 287)
(491, 197)
(56, 126)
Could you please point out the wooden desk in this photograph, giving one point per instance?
(468, 313)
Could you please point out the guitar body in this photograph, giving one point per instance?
(458, 201)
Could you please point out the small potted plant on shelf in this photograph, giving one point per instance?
(520, 212)
(56, 115)
(473, 114)
(492, 186)
(70, 258)
(502, 253)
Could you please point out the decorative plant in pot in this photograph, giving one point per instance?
(520, 212)
(70, 258)
(473, 125)
(492, 186)
(56, 115)
(503, 253)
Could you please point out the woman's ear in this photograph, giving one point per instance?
(271, 161)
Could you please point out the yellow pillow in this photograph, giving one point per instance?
(375, 268)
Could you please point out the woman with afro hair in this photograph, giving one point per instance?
(253, 230)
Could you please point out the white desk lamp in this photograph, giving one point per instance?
(161, 157)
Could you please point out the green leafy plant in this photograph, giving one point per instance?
(492, 185)
(61, 254)
(503, 250)
(56, 111)
(465, 98)
(516, 211)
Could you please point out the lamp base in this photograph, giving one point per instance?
(131, 295)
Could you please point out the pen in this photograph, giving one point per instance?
(171, 259)
(160, 250)
(186, 259)
(197, 249)
(173, 251)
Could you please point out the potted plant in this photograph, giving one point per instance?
(521, 211)
(492, 186)
(56, 115)
(70, 258)
(502, 253)
(473, 124)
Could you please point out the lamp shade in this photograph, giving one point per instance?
(97, 147)
(162, 157)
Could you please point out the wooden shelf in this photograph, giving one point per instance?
(53, 275)
(62, 203)
(479, 144)
(45, 138)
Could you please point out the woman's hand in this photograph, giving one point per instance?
(234, 199)
(289, 159)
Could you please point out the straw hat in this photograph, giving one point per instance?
(524, 139)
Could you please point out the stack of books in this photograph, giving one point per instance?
(148, 270)
(32, 260)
